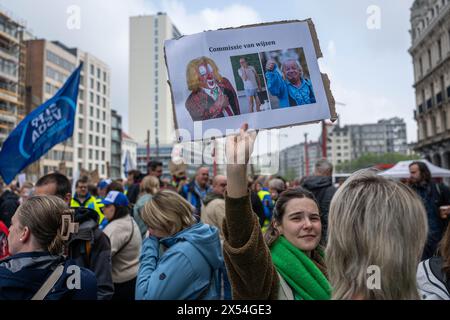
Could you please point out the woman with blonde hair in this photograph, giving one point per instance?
(181, 258)
(37, 268)
(377, 230)
(149, 187)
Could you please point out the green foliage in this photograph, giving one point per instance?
(371, 159)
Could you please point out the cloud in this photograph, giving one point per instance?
(332, 49)
(103, 33)
(366, 107)
(234, 15)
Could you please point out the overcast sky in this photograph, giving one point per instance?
(370, 69)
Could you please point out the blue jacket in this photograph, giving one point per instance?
(23, 274)
(289, 95)
(187, 270)
(190, 193)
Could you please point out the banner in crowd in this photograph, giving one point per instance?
(47, 125)
(266, 75)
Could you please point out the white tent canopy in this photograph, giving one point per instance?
(401, 170)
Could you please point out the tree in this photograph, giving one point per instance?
(369, 160)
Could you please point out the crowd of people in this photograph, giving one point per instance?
(226, 237)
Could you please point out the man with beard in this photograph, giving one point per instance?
(435, 198)
(212, 96)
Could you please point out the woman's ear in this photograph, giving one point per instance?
(25, 235)
(277, 226)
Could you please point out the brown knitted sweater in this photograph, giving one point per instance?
(250, 268)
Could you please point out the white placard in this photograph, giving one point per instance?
(265, 75)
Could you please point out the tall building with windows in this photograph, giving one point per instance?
(49, 64)
(349, 142)
(116, 145)
(430, 51)
(12, 73)
(93, 128)
(150, 103)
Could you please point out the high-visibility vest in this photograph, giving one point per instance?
(264, 195)
(91, 203)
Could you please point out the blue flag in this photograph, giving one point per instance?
(47, 125)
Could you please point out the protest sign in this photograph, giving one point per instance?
(266, 75)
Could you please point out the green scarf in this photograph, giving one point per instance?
(299, 271)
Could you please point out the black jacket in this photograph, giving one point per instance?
(9, 202)
(98, 259)
(23, 274)
(323, 190)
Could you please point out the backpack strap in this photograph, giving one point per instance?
(49, 283)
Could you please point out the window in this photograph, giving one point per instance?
(92, 70)
(156, 81)
(80, 123)
(429, 59)
(103, 155)
(98, 127)
(80, 153)
(96, 155)
(104, 129)
(421, 66)
(91, 81)
(96, 141)
(91, 111)
(98, 100)
(104, 103)
(98, 114)
(104, 115)
(91, 126)
(103, 142)
(81, 94)
(91, 97)
(103, 169)
(80, 138)
(104, 76)
(104, 90)
(90, 139)
(80, 108)
(156, 73)
(98, 86)
(439, 44)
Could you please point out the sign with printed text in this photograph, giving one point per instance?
(266, 75)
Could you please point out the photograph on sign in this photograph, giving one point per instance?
(266, 75)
